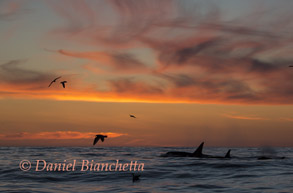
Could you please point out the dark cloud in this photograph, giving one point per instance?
(126, 85)
(222, 88)
(180, 80)
(124, 60)
(78, 14)
(11, 9)
(8, 9)
(115, 60)
(262, 67)
(183, 56)
(14, 73)
(241, 30)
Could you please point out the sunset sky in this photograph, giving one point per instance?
(190, 70)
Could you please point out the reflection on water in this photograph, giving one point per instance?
(243, 173)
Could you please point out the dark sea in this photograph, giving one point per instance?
(242, 173)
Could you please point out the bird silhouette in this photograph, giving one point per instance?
(54, 81)
(135, 177)
(102, 137)
(291, 66)
(63, 83)
(132, 116)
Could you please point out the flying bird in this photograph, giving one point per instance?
(291, 66)
(132, 116)
(63, 83)
(135, 177)
(54, 81)
(102, 137)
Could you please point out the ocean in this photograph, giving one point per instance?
(92, 165)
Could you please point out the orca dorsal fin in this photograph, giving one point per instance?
(198, 151)
(228, 154)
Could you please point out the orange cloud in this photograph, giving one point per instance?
(286, 119)
(58, 135)
(125, 90)
(244, 117)
(115, 60)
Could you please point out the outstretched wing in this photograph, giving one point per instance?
(63, 84)
(50, 83)
(54, 81)
(102, 138)
(96, 140)
(56, 78)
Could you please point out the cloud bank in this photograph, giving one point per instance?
(199, 53)
(57, 135)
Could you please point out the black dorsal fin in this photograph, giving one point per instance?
(198, 151)
(228, 154)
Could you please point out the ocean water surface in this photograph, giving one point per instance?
(242, 173)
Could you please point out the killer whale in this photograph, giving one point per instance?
(196, 153)
(268, 157)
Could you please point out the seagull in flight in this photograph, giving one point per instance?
(54, 81)
(102, 137)
(132, 116)
(63, 83)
